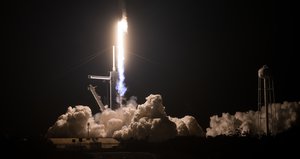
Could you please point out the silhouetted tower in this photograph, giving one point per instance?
(266, 97)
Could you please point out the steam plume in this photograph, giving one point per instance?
(146, 121)
(242, 123)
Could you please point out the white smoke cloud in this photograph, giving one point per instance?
(149, 121)
(281, 117)
(146, 121)
(193, 126)
(187, 125)
(73, 122)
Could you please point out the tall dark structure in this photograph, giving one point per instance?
(266, 97)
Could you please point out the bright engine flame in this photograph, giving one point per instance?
(122, 30)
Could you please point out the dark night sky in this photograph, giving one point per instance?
(201, 56)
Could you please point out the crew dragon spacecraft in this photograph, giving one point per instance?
(116, 76)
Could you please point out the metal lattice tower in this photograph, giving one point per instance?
(266, 97)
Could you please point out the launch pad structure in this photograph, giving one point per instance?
(112, 78)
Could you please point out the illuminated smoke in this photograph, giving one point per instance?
(121, 31)
(246, 123)
(73, 122)
(147, 121)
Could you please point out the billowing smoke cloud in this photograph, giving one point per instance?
(146, 121)
(72, 123)
(281, 117)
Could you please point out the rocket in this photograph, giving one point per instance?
(116, 75)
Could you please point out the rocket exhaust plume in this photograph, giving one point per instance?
(121, 31)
